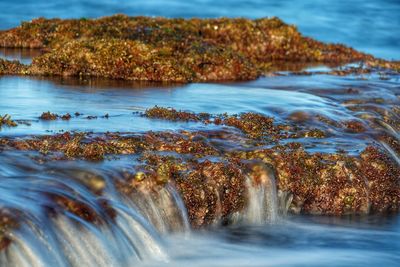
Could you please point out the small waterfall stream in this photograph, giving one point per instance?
(52, 235)
(262, 197)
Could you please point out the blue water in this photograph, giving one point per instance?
(372, 26)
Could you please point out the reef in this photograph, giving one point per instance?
(319, 183)
(210, 168)
(214, 169)
(253, 124)
(172, 50)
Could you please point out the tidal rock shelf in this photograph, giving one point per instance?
(170, 50)
(213, 171)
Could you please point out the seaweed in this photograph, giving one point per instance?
(174, 50)
(7, 121)
(320, 183)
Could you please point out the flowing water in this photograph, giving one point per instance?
(153, 229)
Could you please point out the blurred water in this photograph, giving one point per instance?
(26, 98)
(303, 242)
(372, 26)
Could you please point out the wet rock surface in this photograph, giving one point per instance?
(6, 121)
(209, 168)
(174, 50)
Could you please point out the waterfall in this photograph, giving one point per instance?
(70, 241)
(262, 197)
(163, 208)
(50, 235)
(53, 235)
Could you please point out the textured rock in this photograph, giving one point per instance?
(161, 49)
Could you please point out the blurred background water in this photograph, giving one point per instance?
(372, 26)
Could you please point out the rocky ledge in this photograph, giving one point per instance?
(174, 50)
(210, 168)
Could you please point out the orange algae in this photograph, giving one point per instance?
(176, 50)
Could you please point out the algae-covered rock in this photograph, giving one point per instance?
(162, 49)
(7, 121)
(252, 124)
(137, 60)
(12, 67)
(334, 184)
(320, 183)
(210, 168)
(48, 116)
(170, 114)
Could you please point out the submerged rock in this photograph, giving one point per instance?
(161, 49)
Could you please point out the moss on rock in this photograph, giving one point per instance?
(320, 183)
(7, 121)
(161, 49)
(12, 67)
